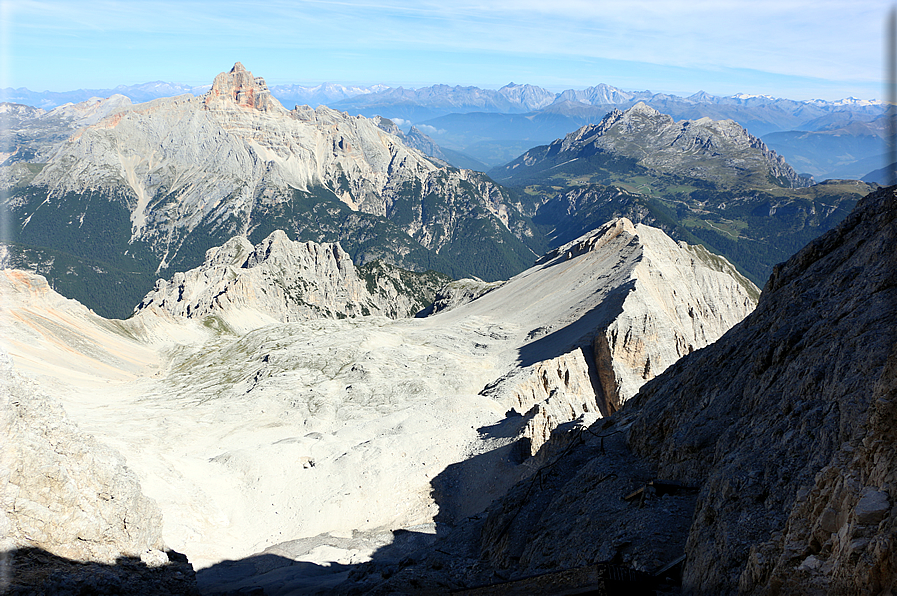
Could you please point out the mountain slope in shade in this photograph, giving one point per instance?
(766, 459)
(795, 403)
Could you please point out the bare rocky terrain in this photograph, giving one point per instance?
(317, 442)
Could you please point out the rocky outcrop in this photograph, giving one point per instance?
(64, 492)
(238, 88)
(282, 280)
(460, 291)
(839, 536)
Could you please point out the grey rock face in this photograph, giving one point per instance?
(839, 536)
(285, 281)
(461, 291)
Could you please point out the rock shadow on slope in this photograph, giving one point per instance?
(578, 332)
(37, 571)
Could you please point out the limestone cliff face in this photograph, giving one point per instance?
(679, 298)
(551, 393)
(61, 490)
(239, 89)
(282, 280)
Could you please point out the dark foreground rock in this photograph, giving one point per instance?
(33, 571)
(763, 416)
(768, 459)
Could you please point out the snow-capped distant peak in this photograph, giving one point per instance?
(854, 101)
(752, 96)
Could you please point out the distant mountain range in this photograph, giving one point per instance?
(314, 96)
(107, 195)
(702, 181)
(483, 128)
(437, 100)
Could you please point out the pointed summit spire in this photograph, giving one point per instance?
(239, 88)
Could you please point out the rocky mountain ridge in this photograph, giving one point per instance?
(33, 135)
(720, 152)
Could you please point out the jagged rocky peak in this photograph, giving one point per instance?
(239, 88)
(283, 280)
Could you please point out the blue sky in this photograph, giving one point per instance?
(785, 48)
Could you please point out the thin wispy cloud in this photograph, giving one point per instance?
(825, 44)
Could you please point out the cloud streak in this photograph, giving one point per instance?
(431, 41)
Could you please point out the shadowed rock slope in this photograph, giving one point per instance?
(783, 429)
(765, 417)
